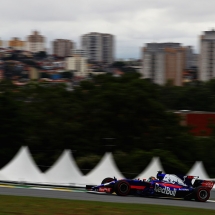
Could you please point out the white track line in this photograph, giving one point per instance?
(211, 201)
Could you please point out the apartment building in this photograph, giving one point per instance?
(62, 48)
(17, 44)
(99, 47)
(35, 42)
(78, 65)
(163, 62)
(207, 56)
(80, 52)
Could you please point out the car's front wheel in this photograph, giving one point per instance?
(202, 194)
(122, 188)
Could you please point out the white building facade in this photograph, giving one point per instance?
(99, 47)
(78, 65)
(207, 56)
(80, 52)
(154, 67)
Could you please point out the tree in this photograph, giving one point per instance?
(133, 111)
(41, 54)
(118, 64)
(12, 126)
(44, 75)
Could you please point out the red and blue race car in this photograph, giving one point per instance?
(164, 185)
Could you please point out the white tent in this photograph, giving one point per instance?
(105, 168)
(198, 170)
(65, 171)
(22, 168)
(3, 177)
(152, 169)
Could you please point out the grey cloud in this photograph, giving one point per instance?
(133, 22)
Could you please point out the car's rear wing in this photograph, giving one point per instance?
(204, 183)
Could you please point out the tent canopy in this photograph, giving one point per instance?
(105, 168)
(22, 168)
(65, 171)
(198, 170)
(152, 169)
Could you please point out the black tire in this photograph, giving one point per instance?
(107, 180)
(122, 188)
(202, 194)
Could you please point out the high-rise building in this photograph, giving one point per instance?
(207, 56)
(35, 42)
(163, 62)
(17, 44)
(80, 52)
(191, 58)
(62, 48)
(99, 47)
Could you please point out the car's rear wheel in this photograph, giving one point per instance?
(122, 188)
(107, 180)
(202, 194)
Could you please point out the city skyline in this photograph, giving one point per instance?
(132, 23)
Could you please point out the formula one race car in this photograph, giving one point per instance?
(165, 185)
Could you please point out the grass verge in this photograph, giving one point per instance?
(15, 205)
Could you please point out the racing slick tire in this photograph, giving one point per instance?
(107, 180)
(122, 188)
(202, 194)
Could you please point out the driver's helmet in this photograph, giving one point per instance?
(151, 178)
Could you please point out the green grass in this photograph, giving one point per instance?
(14, 205)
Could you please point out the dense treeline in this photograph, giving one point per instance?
(127, 115)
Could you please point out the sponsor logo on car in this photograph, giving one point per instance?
(104, 189)
(164, 190)
(183, 189)
(208, 184)
(173, 179)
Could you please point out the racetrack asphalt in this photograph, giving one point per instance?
(106, 198)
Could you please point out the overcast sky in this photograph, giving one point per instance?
(133, 22)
